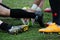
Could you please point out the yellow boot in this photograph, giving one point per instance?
(51, 28)
(25, 27)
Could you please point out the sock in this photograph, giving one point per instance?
(34, 6)
(38, 9)
(55, 11)
(19, 13)
(4, 26)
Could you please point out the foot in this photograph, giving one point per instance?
(51, 28)
(17, 29)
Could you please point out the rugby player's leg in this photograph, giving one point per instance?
(55, 10)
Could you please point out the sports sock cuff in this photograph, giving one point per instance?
(34, 6)
(4, 26)
(38, 9)
(19, 13)
(4, 6)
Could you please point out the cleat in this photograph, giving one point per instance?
(52, 28)
(24, 27)
(48, 10)
(14, 30)
(17, 29)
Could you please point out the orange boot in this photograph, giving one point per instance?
(51, 28)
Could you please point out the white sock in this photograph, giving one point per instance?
(34, 6)
(1, 22)
(11, 29)
(38, 9)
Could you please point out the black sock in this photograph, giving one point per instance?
(19, 13)
(40, 21)
(55, 10)
(5, 27)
